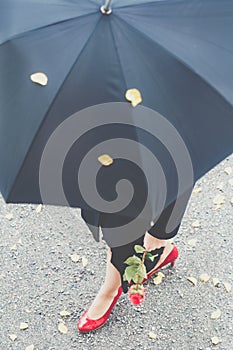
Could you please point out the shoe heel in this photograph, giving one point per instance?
(173, 263)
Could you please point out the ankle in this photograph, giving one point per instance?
(108, 292)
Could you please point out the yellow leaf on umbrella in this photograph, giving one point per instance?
(219, 199)
(227, 287)
(39, 78)
(193, 280)
(62, 328)
(13, 337)
(30, 347)
(23, 326)
(84, 261)
(64, 313)
(105, 159)
(152, 335)
(216, 282)
(133, 96)
(216, 314)
(75, 257)
(215, 340)
(204, 277)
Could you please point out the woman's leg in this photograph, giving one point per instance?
(107, 291)
(113, 277)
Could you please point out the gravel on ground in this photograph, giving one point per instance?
(38, 279)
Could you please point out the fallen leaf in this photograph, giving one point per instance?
(75, 257)
(14, 247)
(216, 282)
(84, 261)
(13, 337)
(64, 313)
(228, 170)
(197, 190)
(232, 200)
(20, 242)
(204, 277)
(152, 335)
(193, 280)
(30, 347)
(9, 216)
(227, 286)
(39, 78)
(39, 208)
(62, 328)
(220, 186)
(23, 326)
(133, 96)
(105, 159)
(160, 274)
(192, 242)
(157, 280)
(217, 207)
(215, 340)
(28, 311)
(216, 314)
(196, 224)
(219, 199)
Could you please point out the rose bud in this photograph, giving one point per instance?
(136, 294)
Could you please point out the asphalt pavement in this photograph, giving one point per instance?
(39, 279)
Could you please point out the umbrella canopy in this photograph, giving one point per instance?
(60, 57)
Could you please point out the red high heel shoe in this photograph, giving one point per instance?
(86, 324)
(171, 258)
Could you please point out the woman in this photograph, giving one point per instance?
(155, 241)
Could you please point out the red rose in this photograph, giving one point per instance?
(136, 294)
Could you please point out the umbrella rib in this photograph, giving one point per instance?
(138, 51)
(178, 59)
(151, 74)
(118, 57)
(138, 5)
(50, 106)
(20, 35)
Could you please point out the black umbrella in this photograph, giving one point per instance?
(68, 133)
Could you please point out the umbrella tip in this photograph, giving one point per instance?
(106, 8)
(105, 11)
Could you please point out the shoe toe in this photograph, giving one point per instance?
(86, 325)
(83, 324)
